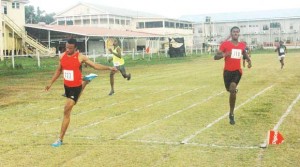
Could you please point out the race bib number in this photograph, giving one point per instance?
(236, 53)
(281, 50)
(116, 63)
(69, 75)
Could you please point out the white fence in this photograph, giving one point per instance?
(135, 55)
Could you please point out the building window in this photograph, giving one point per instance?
(69, 22)
(5, 9)
(181, 25)
(253, 41)
(117, 21)
(94, 21)
(15, 5)
(140, 25)
(265, 27)
(111, 21)
(61, 22)
(86, 21)
(289, 40)
(167, 24)
(122, 22)
(103, 21)
(275, 25)
(154, 24)
(77, 22)
(172, 25)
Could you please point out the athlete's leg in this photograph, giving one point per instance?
(232, 99)
(66, 120)
(73, 95)
(123, 72)
(84, 83)
(282, 62)
(112, 82)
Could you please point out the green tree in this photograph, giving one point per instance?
(30, 17)
(35, 16)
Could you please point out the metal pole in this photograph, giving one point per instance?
(49, 42)
(38, 57)
(85, 43)
(133, 54)
(2, 31)
(94, 55)
(4, 40)
(122, 44)
(13, 51)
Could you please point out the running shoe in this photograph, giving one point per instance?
(111, 92)
(129, 77)
(57, 143)
(90, 77)
(231, 118)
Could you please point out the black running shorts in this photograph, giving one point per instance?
(121, 68)
(231, 76)
(73, 92)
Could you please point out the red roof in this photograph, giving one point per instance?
(92, 31)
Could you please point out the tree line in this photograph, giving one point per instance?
(33, 16)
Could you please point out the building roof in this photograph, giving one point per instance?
(112, 10)
(93, 31)
(244, 16)
(20, 1)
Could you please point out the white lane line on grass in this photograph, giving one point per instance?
(80, 113)
(170, 115)
(289, 109)
(120, 102)
(169, 98)
(59, 119)
(186, 140)
(196, 144)
(137, 109)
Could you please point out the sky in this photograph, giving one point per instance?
(172, 8)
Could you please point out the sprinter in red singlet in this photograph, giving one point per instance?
(232, 51)
(69, 65)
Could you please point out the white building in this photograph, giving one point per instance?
(14, 39)
(141, 30)
(258, 29)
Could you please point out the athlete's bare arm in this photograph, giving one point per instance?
(247, 59)
(54, 77)
(86, 60)
(219, 55)
(118, 53)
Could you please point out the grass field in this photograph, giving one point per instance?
(165, 104)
